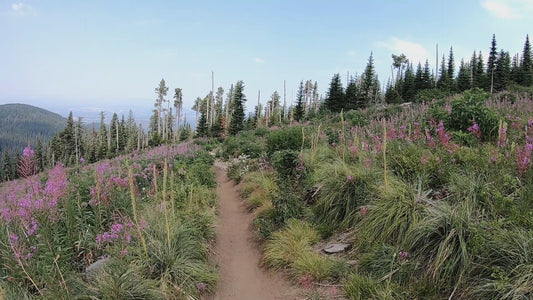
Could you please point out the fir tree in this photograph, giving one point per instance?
(526, 65)
(352, 95)
(502, 71)
(7, 168)
(491, 63)
(419, 82)
(369, 82)
(427, 78)
(464, 81)
(298, 112)
(237, 117)
(451, 71)
(39, 158)
(202, 128)
(335, 96)
(408, 88)
(442, 82)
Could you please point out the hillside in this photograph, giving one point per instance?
(21, 123)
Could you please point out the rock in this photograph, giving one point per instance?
(95, 267)
(336, 248)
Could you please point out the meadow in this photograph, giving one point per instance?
(434, 199)
(139, 226)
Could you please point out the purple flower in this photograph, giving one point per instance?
(403, 255)
(350, 178)
(201, 286)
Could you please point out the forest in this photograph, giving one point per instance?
(428, 183)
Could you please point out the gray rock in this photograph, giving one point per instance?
(336, 248)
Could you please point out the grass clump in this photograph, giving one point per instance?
(343, 190)
(285, 246)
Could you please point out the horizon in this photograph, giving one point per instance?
(110, 56)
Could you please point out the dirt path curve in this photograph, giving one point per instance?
(237, 254)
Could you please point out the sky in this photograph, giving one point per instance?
(88, 56)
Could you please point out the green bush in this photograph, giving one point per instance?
(290, 138)
(285, 162)
(246, 143)
(428, 95)
(471, 108)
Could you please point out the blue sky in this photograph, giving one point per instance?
(93, 55)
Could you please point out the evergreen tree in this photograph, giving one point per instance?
(217, 127)
(67, 141)
(7, 168)
(39, 158)
(442, 82)
(369, 82)
(480, 77)
(408, 88)
(451, 71)
(335, 96)
(491, 63)
(419, 81)
(202, 128)
(352, 95)
(298, 112)
(237, 117)
(113, 132)
(502, 71)
(102, 147)
(464, 81)
(526, 65)
(427, 78)
(178, 104)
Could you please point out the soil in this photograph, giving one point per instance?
(238, 254)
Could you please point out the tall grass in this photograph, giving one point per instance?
(344, 188)
(441, 240)
(284, 246)
(393, 214)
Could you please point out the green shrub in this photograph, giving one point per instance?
(290, 138)
(285, 162)
(428, 95)
(471, 108)
(246, 143)
(310, 263)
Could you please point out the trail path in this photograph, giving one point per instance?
(237, 254)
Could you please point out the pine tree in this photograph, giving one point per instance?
(427, 78)
(352, 95)
(298, 112)
(419, 82)
(408, 88)
(202, 128)
(451, 71)
(526, 65)
(369, 82)
(491, 63)
(480, 75)
(464, 77)
(502, 71)
(7, 168)
(102, 147)
(39, 158)
(67, 141)
(237, 117)
(113, 132)
(217, 127)
(442, 82)
(335, 97)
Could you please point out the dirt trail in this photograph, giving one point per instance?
(237, 254)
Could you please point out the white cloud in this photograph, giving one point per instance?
(259, 60)
(22, 9)
(415, 52)
(510, 9)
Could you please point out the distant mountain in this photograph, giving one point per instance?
(21, 124)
